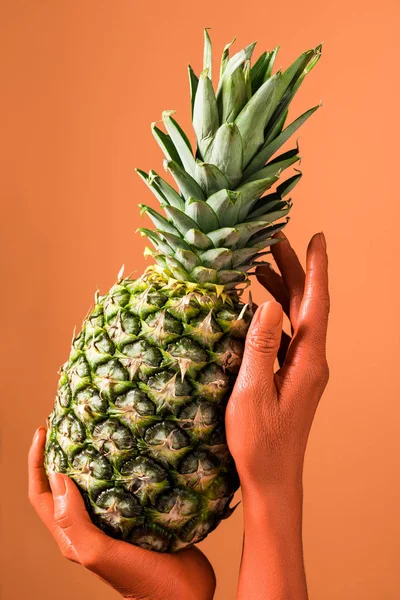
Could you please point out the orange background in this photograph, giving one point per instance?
(81, 82)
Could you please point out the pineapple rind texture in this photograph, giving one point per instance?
(138, 421)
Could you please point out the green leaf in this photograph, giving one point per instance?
(271, 61)
(224, 206)
(233, 96)
(176, 269)
(159, 186)
(226, 237)
(262, 69)
(202, 214)
(187, 185)
(166, 144)
(252, 120)
(225, 57)
(250, 192)
(180, 141)
(265, 234)
(204, 275)
(205, 113)
(280, 163)
(188, 259)
(198, 239)
(258, 70)
(235, 62)
(225, 277)
(193, 83)
(156, 241)
(271, 216)
(173, 240)
(277, 129)
(286, 186)
(159, 221)
(217, 258)
(247, 230)
(292, 79)
(247, 79)
(226, 153)
(241, 256)
(210, 178)
(207, 58)
(268, 205)
(146, 178)
(182, 221)
(270, 148)
(269, 201)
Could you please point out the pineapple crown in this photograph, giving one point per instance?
(220, 222)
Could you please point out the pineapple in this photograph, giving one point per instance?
(138, 421)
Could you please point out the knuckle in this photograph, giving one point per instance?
(317, 373)
(61, 516)
(91, 557)
(264, 341)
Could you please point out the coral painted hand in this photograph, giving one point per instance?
(269, 416)
(130, 570)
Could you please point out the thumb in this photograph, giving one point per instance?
(71, 517)
(262, 342)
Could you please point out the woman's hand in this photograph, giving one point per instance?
(269, 416)
(132, 571)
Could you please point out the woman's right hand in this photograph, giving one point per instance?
(269, 415)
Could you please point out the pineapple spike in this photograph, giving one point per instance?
(180, 141)
(205, 113)
(193, 83)
(187, 185)
(207, 58)
(166, 144)
(119, 276)
(235, 62)
(153, 186)
(225, 57)
(158, 220)
(165, 190)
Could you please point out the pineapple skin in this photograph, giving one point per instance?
(138, 421)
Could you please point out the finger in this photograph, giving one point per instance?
(292, 274)
(274, 283)
(39, 490)
(82, 537)
(262, 344)
(308, 347)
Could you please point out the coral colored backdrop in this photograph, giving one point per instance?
(81, 82)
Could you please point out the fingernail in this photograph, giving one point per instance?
(270, 314)
(323, 240)
(37, 433)
(57, 484)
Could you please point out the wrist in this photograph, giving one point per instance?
(273, 483)
(273, 553)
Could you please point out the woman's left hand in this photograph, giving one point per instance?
(132, 571)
